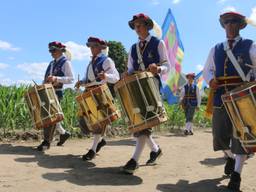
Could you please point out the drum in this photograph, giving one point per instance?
(97, 107)
(240, 104)
(43, 105)
(140, 101)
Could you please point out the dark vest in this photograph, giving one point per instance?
(97, 68)
(57, 71)
(150, 55)
(190, 97)
(241, 53)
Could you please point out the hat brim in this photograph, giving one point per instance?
(149, 23)
(190, 75)
(95, 44)
(225, 16)
(56, 48)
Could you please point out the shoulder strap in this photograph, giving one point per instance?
(140, 61)
(234, 61)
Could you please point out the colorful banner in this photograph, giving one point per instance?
(175, 51)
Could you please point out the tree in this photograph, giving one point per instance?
(119, 55)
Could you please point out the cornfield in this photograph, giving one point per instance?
(14, 113)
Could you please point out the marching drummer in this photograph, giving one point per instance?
(228, 63)
(100, 69)
(190, 100)
(146, 54)
(58, 72)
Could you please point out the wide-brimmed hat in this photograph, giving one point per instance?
(241, 19)
(94, 41)
(55, 45)
(190, 75)
(146, 19)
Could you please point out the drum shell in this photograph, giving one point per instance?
(241, 107)
(97, 107)
(141, 101)
(43, 105)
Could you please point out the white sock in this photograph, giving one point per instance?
(152, 144)
(140, 143)
(187, 126)
(240, 159)
(97, 138)
(60, 129)
(229, 153)
(190, 126)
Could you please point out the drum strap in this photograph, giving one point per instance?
(235, 62)
(140, 61)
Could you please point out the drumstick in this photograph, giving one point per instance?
(34, 82)
(96, 77)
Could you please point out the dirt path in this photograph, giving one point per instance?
(188, 165)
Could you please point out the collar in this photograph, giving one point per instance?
(236, 39)
(97, 56)
(59, 58)
(147, 38)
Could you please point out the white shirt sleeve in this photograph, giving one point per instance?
(112, 75)
(209, 68)
(68, 74)
(130, 68)
(252, 53)
(182, 93)
(165, 67)
(198, 96)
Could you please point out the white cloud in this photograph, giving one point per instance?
(3, 65)
(253, 16)
(155, 2)
(9, 82)
(199, 67)
(79, 52)
(34, 70)
(176, 1)
(222, 1)
(229, 8)
(8, 46)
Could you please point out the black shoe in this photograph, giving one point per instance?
(89, 156)
(130, 166)
(186, 132)
(230, 166)
(43, 146)
(100, 145)
(154, 156)
(191, 133)
(234, 183)
(63, 138)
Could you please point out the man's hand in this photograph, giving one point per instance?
(153, 68)
(102, 75)
(51, 79)
(78, 84)
(213, 84)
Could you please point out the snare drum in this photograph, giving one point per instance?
(97, 107)
(43, 105)
(240, 104)
(140, 101)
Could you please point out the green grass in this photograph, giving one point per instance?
(14, 114)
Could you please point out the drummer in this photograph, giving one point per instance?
(222, 76)
(58, 72)
(146, 54)
(100, 69)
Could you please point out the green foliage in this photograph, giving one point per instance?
(14, 113)
(119, 55)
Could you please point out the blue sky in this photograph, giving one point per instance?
(28, 26)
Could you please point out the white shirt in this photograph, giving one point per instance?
(209, 68)
(165, 67)
(198, 96)
(66, 69)
(111, 73)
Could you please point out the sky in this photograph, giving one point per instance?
(28, 26)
